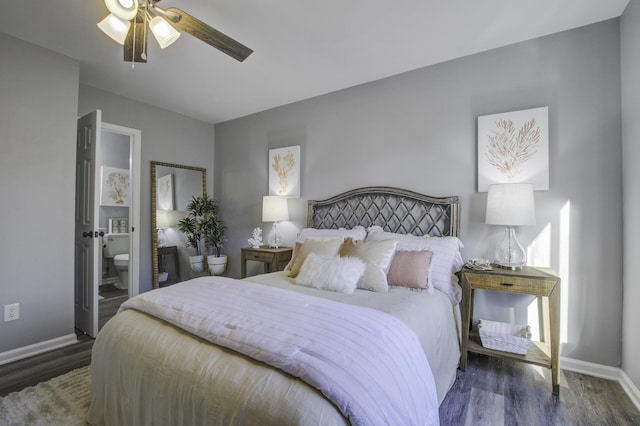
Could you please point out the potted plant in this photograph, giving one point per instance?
(203, 231)
(192, 228)
(213, 232)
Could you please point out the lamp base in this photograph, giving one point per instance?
(274, 240)
(510, 254)
(509, 267)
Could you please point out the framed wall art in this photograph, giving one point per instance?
(164, 186)
(513, 147)
(284, 171)
(114, 188)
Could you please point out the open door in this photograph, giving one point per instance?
(87, 237)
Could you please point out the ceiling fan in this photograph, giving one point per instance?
(129, 22)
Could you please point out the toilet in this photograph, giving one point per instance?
(116, 247)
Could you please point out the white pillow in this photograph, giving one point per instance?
(377, 255)
(320, 246)
(333, 273)
(357, 233)
(446, 259)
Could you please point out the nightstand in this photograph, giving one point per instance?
(538, 282)
(271, 257)
(162, 253)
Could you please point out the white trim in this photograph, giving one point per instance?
(630, 388)
(603, 372)
(37, 348)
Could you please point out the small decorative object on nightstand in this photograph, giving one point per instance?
(256, 238)
(528, 280)
(271, 257)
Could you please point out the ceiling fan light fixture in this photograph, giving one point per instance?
(164, 33)
(115, 28)
(123, 9)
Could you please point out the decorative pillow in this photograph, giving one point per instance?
(445, 261)
(333, 273)
(294, 255)
(320, 246)
(357, 233)
(377, 255)
(411, 269)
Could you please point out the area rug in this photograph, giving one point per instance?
(63, 400)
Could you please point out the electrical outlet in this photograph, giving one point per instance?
(11, 312)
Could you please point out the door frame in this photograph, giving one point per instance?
(135, 163)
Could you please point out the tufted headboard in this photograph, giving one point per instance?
(393, 209)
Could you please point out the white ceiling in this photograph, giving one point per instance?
(301, 48)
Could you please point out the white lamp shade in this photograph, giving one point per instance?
(274, 208)
(164, 33)
(510, 204)
(115, 28)
(163, 219)
(123, 9)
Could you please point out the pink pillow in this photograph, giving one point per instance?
(410, 269)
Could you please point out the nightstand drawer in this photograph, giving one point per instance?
(259, 256)
(511, 284)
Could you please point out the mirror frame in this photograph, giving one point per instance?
(154, 224)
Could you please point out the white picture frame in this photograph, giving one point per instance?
(284, 171)
(114, 188)
(513, 147)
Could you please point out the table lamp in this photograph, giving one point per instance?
(274, 209)
(510, 204)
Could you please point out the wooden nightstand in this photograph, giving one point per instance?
(534, 281)
(162, 253)
(271, 257)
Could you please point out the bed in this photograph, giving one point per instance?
(274, 349)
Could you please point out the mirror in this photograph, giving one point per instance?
(172, 187)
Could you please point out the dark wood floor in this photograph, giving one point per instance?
(491, 391)
(494, 391)
(18, 375)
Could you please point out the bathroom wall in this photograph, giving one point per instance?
(115, 151)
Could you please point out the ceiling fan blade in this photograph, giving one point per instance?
(209, 35)
(135, 45)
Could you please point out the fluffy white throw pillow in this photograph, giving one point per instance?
(340, 274)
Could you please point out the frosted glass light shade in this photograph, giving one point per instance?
(510, 204)
(164, 33)
(115, 28)
(123, 9)
(274, 208)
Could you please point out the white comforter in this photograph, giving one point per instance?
(368, 363)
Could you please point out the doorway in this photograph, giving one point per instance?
(107, 209)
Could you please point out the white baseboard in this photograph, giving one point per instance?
(37, 348)
(604, 372)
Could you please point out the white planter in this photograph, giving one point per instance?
(197, 263)
(217, 264)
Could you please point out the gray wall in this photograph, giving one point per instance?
(630, 52)
(38, 106)
(40, 99)
(167, 137)
(418, 131)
